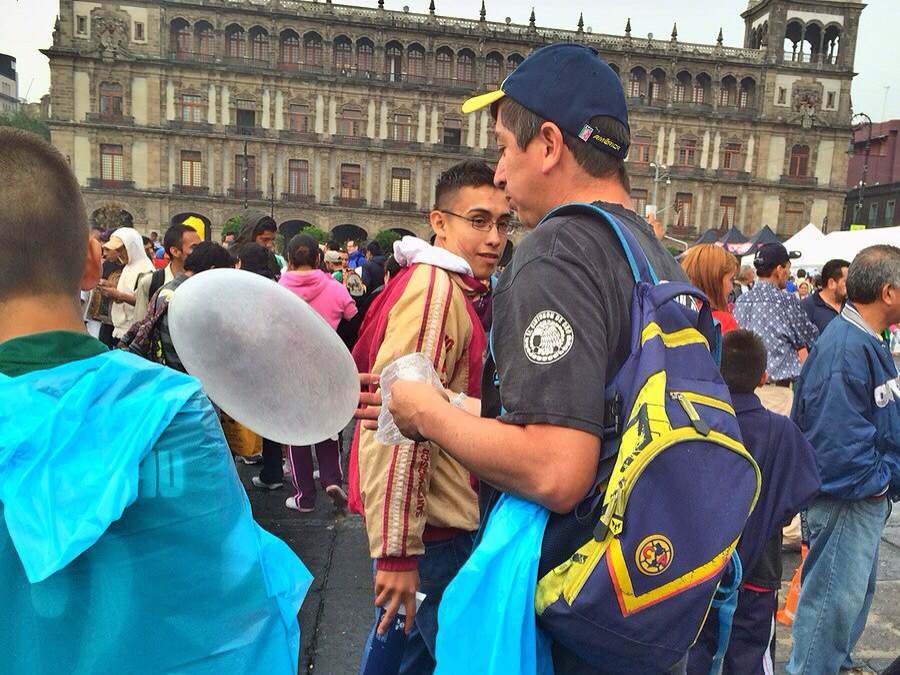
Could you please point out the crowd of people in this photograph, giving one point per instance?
(529, 358)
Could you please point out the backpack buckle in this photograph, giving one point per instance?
(612, 417)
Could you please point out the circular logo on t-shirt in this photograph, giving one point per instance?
(548, 338)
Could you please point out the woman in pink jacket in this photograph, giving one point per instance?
(333, 303)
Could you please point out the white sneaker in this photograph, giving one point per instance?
(291, 503)
(338, 496)
(257, 482)
(253, 459)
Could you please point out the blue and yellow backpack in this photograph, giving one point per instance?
(674, 490)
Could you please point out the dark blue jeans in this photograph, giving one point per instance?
(441, 562)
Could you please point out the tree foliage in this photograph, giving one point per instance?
(22, 120)
(386, 239)
(231, 226)
(321, 236)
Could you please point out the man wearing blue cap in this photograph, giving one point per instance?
(561, 309)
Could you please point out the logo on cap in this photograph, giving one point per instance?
(585, 133)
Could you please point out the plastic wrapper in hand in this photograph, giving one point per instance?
(415, 367)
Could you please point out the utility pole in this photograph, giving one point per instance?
(272, 194)
(862, 183)
(659, 174)
(245, 168)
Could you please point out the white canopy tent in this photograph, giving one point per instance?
(804, 239)
(843, 244)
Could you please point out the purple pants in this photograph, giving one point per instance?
(329, 455)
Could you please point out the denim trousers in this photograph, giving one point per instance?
(441, 562)
(837, 584)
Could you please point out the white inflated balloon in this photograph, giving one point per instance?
(264, 356)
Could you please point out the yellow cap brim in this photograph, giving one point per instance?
(482, 100)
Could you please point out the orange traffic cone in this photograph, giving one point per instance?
(786, 614)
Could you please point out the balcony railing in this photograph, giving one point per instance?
(194, 57)
(109, 184)
(732, 174)
(351, 202)
(298, 198)
(189, 125)
(808, 181)
(241, 193)
(191, 189)
(247, 131)
(400, 206)
(106, 118)
(361, 141)
(681, 171)
(297, 135)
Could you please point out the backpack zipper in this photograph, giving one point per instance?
(613, 515)
(689, 409)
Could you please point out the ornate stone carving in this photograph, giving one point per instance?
(110, 32)
(806, 100)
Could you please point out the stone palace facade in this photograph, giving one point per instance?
(340, 115)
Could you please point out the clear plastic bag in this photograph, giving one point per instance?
(415, 367)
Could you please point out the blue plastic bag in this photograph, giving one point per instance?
(486, 617)
(128, 544)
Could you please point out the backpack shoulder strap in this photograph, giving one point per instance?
(641, 269)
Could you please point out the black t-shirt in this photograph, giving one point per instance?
(561, 331)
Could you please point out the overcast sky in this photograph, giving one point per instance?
(27, 26)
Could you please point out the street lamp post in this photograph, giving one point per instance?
(660, 173)
(862, 183)
(244, 177)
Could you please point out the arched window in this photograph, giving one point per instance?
(637, 82)
(312, 51)
(657, 86)
(181, 38)
(259, 44)
(351, 121)
(465, 67)
(365, 55)
(393, 62)
(415, 63)
(512, 62)
(702, 84)
(204, 38)
(343, 54)
(402, 127)
(110, 99)
(799, 166)
(443, 65)
(793, 41)
(290, 48)
(493, 64)
(813, 37)
(683, 84)
(832, 42)
(747, 94)
(235, 45)
(728, 91)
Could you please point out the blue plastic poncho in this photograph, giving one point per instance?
(486, 617)
(127, 543)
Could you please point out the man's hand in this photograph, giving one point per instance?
(409, 400)
(393, 589)
(369, 402)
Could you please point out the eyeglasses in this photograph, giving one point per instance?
(484, 224)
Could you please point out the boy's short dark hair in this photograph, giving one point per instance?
(174, 236)
(206, 256)
(373, 247)
(43, 222)
(303, 251)
(524, 125)
(470, 173)
(743, 360)
(391, 266)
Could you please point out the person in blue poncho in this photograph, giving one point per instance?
(127, 544)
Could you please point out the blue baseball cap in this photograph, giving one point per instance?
(566, 84)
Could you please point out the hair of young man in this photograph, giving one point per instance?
(206, 256)
(374, 248)
(766, 272)
(871, 269)
(332, 245)
(470, 173)
(706, 265)
(303, 251)
(391, 266)
(801, 273)
(174, 237)
(743, 360)
(524, 125)
(146, 240)
(833, 270)
(43, 222)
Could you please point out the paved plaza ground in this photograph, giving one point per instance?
(337, 613)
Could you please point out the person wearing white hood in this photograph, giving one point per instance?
(129, 246)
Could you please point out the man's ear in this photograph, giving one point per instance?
(552, 142)
(438, 223)
(93, 263)
(763, 379)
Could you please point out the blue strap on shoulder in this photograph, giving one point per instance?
(637, 259)
(726, 603)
